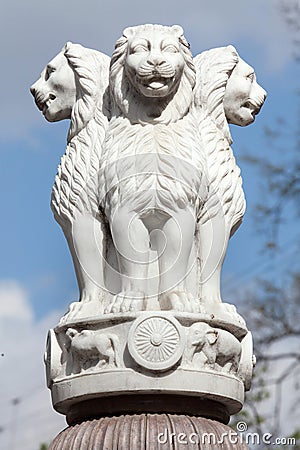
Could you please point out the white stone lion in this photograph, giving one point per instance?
(72, 86)
(226, 92)
(153, 166)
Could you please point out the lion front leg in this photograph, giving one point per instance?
(87, 236)
(174, 255)
(212, 245)
(85, 240)
(131, 240)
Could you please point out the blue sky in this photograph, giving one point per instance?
(36, 276)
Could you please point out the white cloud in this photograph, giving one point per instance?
(14, 302)
(29, 420)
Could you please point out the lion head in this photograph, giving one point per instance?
(152, 74)
(243, 97)
(55, 91)
(227, 89)
(72, 85)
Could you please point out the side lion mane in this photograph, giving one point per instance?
(214, 68)
(90, 68)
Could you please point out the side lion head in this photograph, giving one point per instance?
(226, 88)
(152, 74)
(243, 97)
(72, 85)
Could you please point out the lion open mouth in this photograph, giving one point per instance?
(43, 102)
(252, 106)
(155, 83)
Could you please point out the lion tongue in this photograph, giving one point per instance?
(156, 84)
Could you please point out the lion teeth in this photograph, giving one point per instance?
(156, 84)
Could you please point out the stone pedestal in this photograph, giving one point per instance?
(151, 362)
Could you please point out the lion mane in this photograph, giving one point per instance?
(122, 90)
(75, 187)
(214, 68)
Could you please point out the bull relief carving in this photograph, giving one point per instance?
(91, 350)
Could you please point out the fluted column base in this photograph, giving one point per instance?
(149, 432)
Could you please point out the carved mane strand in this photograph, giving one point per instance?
(214, 67)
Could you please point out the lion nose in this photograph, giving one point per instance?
(156, 61)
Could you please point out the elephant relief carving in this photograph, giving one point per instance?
(210, 347)
(91, 350)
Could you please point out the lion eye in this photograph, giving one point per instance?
(139, 49)
(170, 49)
(48, 72)
(251, 77)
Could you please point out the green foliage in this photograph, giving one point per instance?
(43, 446)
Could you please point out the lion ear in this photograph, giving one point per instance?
(232, 49)
(67, 46)
(128, 32)
(178, 30)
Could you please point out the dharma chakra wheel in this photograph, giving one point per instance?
(156, 342)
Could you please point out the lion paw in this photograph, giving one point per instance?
(73, 311)
(178, 301)
(126, 301)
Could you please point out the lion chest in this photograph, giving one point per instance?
(152, 166)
